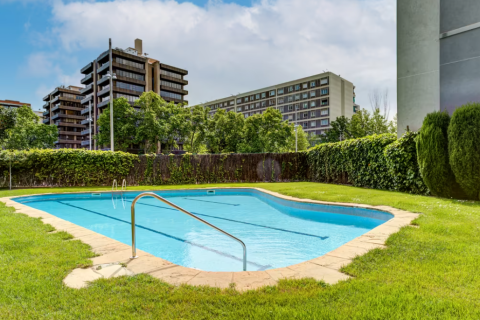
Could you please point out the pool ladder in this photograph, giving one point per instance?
(156, 196)
(115, 189)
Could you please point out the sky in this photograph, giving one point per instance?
(228, 47)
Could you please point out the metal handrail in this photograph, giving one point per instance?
(115, 184)
(156, 196)
(124, 182)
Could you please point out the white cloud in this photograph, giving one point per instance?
(229, 48)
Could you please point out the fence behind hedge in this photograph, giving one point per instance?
(68, 167)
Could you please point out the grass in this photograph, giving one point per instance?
(429, 272)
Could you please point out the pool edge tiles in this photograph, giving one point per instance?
(324, 268)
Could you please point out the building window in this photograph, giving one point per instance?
(290, 89)
(129, 63)
(312, 104)
(312, 84)
(313, 124)
(239, 109)
(280, 100)
(126, 96)
(290, 98)
(305, 85)
(297, 97)
(245, 99)
(280, 91)
(132, 87)
(312, 94)
(324, 81)
(297, 87)
(264, 95)
(257, 96)
(312, 114)
(324, 122)
(171, 95)
(239, 100)
(305, 96)
(272, 93)
(290, 107)
(305, 115)
(324, 91)
(324, 112)
(290, 117)
(132, 75)
(325, 102)
(305, 105)
(171, 74)
(232, 103)
(272, 102)
(264, 103)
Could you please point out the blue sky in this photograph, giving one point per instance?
(227, 46)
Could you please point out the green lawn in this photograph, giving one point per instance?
(427, 272)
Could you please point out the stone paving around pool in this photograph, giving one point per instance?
(114, 256)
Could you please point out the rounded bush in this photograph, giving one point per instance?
(433, 159)
(464, 148)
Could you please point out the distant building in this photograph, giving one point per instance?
(438, 61)
(312, 102)
(13, 104)
(62, 108)
(40, 115)
(135, 74)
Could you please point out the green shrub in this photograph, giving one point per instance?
(433, 160)
(464, 148)
(401, 159)
(360, 162)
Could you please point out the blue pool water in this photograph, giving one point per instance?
(277, 232)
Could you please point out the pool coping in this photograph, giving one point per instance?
(114, 256)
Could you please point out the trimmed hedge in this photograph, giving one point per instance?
(74, 167)
(367, 162)
(401, 159)
(433, 159)
(464, 148)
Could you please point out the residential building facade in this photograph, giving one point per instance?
(438, 60)
(13, 104)
(312, 102)
(63, 108)
(135, 73)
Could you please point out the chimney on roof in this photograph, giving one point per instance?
(139, 46)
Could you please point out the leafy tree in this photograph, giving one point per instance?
(225, 132)
(340, 130)
(26, 132)
(303, 142)
(197, 121)
(266, 132)
(177, 125)
(464, 148)
(151, 129)
(7, 120)
(124, 125)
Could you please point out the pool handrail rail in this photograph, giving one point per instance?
(114, 185)
(156, 196)
(124, 183)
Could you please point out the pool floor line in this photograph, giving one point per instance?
(227, 204)
(237, 221)
(227, 255)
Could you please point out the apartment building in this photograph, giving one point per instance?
(13, 104)
(135, 73)
(311, 102)
(63, 109)
(438, 61)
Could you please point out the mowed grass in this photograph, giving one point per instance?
(430, 272)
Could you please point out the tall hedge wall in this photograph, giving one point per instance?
(433, 159)
(68, 167)
(464, 148)
(367, 162)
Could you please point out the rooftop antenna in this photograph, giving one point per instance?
(145, 54)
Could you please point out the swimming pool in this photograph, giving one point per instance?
(277, 232)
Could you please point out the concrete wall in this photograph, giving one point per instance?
(418, 61)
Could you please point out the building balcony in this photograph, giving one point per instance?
(46, 105)
(69, 133)
(103, 56)
(85, 122)
(128, 68)
(88, 89)
(87, 69)
(67, 116)
(104, 67)
(46, 113)
(86, 131)
(173, 79)
(103, 104)
(59, 123)
(56, 99)
(85, 142)
(168, 99)
(103, 81)
(87, 79)
(131, 80)
(104, 92)
(87, 99)
(62, 107)
(68, 141)
(86, 111)
(46, 120)
(174, 69)
(167, 88)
